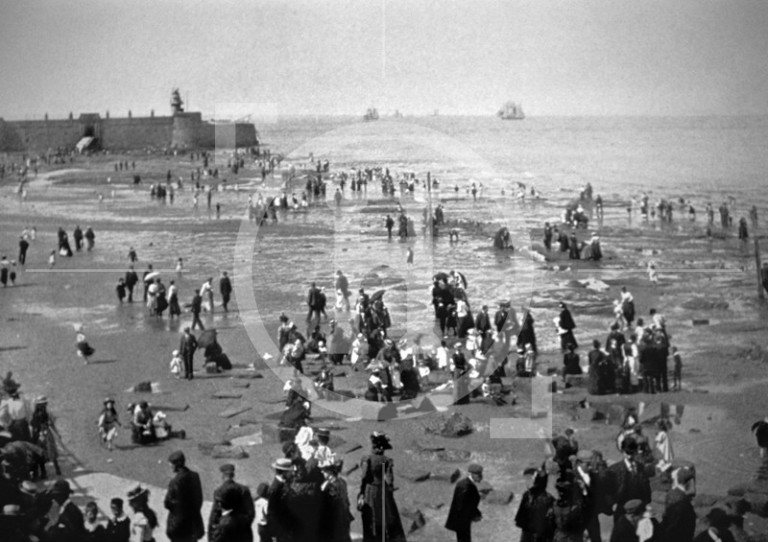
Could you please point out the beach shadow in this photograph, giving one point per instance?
(101, 361)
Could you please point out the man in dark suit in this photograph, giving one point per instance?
(225, 288)
(197, 308)
(313, 302)
(187, 347)
(679, 520)
(625, 525)
(242, 507)
(231, 526)
(464, 510)
(131, 279)
(183, 501)
(70, 525)
(280, 521)
(483, 322)
(628, 479)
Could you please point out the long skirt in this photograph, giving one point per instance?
(173, 306)
(372, 514)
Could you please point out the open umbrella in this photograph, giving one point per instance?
(377, 295)
(206, 338)
(151, 276)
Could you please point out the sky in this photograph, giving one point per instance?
(555, 57)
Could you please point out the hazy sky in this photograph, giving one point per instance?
(569, 57)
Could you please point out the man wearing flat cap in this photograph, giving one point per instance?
(679, 520)
(70, 525)
(184, 501)
(243, 507)
(625, 525)
(464, 510)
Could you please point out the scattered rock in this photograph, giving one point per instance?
(143, 387)
(352, 447)
(704, 304)
(227, 395)
(248, 376)
(452, 426)
(445, 474)
(234, 411)
(239, 384)
(501, 497)
(228, 452)
(414, 519)
(254, 439)
(705, 500)
(484, 488)
(414, 475)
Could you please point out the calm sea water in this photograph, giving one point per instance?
(701, 158)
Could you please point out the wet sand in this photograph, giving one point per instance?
(724, 361)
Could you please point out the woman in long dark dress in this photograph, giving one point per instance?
(460, 377)
(566, 325)
(535, 517)
(381, 520)
(527, 333)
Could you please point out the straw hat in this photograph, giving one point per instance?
(136, 493)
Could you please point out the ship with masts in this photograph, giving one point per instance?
(511, 111)
(371, 114)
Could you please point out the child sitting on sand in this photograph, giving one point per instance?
(176, 364)
(52, 259)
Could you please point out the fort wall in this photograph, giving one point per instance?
(182, 130)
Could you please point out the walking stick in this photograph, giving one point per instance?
(383, 502)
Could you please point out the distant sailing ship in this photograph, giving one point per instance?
(511, 111)
(371, 114)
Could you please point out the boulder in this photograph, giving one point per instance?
(755, 486)
(576, 381)
(704, 304)
(444, 474)
(413, 519)
(228, 452)
(503, 496)
(452, 455)
(234, 411)
(225, 394)
(758, 503)
(248, 376)
(413, 475)
(484, 488)
(254, 439)
(142, 387)
(351, 447)
(452, 426)
(702, 500)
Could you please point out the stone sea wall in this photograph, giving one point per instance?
(182, 130)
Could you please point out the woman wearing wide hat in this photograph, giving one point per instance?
(144, 520)
(44, 435)
(376, 500)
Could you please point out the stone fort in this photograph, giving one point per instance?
(181, 130)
